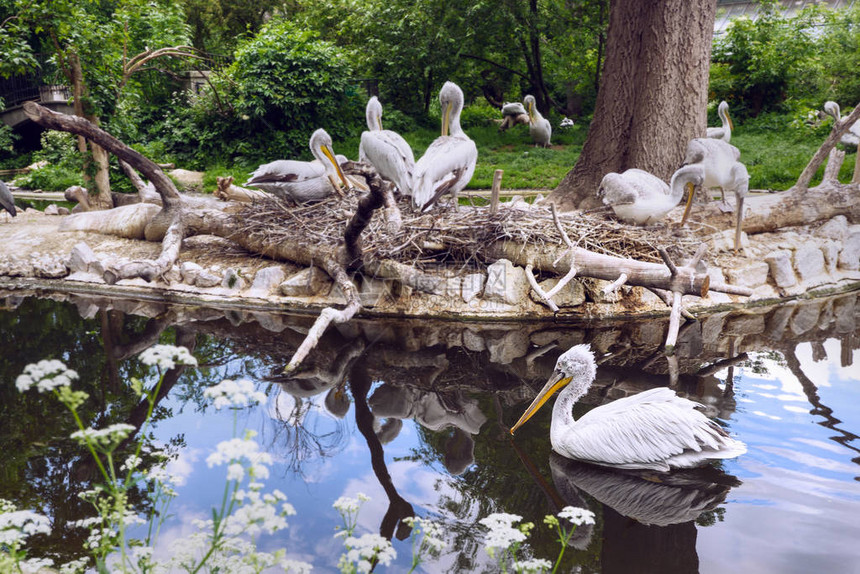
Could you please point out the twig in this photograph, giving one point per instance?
(537, 289)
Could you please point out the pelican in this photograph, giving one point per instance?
(641, 198)
(513, 113)
(724, 132)
(7, 200)
(655, 429)
(722, 169)
(539, 127)
(852, 136)
(449, 162)
(386, 150)
(303, 181)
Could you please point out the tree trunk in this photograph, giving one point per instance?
(653, 94)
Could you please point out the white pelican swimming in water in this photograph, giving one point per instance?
(641, 198)
(539, 127)
(303, 181)
(722, 169)
(852, 136)
(386, 150)
(449, 162)
(655, 429)
(7, 200)
(724, 132)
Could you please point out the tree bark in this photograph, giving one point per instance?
(653, 94)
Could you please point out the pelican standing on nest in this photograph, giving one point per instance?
(722, 169)
(449, 162)
(386, 150)
(655, 429)
(7, 200)
(303, 181)
(724, 132)
(641, 198)
(539, 127)
(852, 136)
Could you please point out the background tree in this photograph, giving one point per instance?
(653, 94)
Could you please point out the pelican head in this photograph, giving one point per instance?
(529, 101)
(832, 108)
(321, 147)
(575, 366)
(373, 114)
(451, 98)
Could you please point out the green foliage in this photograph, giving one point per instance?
(479, 114)
(840, 54)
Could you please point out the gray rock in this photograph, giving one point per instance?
(830, 249)
(308, 282)
(52, 210)
(571, 295)
(83, 259)
(207, 279)
(372, 292)
(781, 270)
(266, 281)
(749, 274)
(849, 257)
(809, 263)
(805, 318)
(836, 229)
(189, 272)
(505, 283)
(471, 286)
(233, 280)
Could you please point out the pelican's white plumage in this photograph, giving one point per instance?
(513, 113)
(852, 136)
(303, 181)
(386, 150)
(449, 163)
(641, 198)
(655, 430)
(724, 132)
(722, 169)
(539, 127)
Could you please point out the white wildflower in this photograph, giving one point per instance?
(295, 567)
(45, 376)
(347, 505)
(75, 566)
(132, 462)
(105, 439)
(432, 540)
(501, 531)
(234, 394)
(533, 566)
(578, 516)
(18, 525)
(364, 550)
(235, 472)
(35, 565)
(166, 357)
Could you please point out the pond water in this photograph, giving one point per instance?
(415, 414)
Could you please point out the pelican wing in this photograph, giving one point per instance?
(513, 109)
(392, 157)
(718, 133)
(446, 166)
(628, 187)
(7, 200)
(286, 170)
(655, 429)
(541, 131)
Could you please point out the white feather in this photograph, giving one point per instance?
(641, 198)
(386, 150)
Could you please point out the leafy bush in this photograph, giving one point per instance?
(479, 114)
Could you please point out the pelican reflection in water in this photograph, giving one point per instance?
(655, 429)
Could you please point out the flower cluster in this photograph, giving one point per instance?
(106, 439)
(259, 513)
(432, 540)
(45, 375)
(18, 525)
(235, 450)
(365, 551)
(235, 394)
(502, 533)
(578, 516)
(167, 357)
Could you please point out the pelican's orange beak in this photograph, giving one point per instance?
(557, 381)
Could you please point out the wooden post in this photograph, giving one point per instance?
(497, 187)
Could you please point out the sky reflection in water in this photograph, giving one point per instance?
(795, 511)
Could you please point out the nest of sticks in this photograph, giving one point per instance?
(445, 234)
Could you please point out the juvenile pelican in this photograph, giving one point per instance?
(641, 198)
(852, 136)
(722, 169)
(539, 127)
(655, 429)
(724, 132)
(7, 200)
(386, 150)
(303, 181)
(449, 162)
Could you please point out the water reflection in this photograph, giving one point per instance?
(448, 392)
